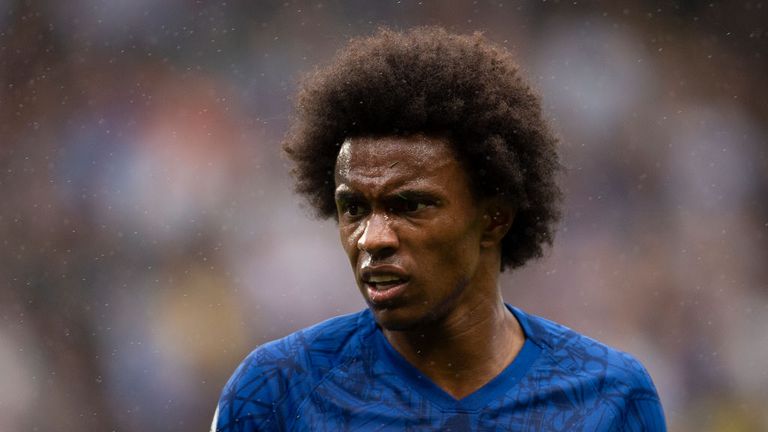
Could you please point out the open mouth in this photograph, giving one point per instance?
(384, 282)
(383, 287)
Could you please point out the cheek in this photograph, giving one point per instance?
(349, 235)
(455, 250)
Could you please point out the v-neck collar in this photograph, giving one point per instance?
(476, 400)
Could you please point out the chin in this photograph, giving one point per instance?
(396, 320)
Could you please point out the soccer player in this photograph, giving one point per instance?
(431, 153)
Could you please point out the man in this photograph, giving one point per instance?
(432, 154)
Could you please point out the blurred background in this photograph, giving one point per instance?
(149, 238)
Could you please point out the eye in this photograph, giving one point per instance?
(405, 204)
(351, 209)
(414, 206)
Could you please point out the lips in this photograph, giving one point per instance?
(384, 283)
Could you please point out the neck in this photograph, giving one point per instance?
(462, 351)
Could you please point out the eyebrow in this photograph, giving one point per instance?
(409, 194)
(413, 194)
(346, 195)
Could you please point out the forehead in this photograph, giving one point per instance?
(395, 159)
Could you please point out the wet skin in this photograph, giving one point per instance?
(426, 253)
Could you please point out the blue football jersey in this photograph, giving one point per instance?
(343, 375)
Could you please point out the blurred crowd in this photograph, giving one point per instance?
(149, 238)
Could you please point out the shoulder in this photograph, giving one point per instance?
(283, 372)
(316, 346)
(580, 355)
(586, 369)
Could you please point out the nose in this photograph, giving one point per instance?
(378, 238)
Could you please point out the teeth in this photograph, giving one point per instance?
(383, 279)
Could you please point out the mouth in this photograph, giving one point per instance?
(383, 286)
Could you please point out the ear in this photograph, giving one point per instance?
(497, 218)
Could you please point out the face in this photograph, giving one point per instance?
(411, 227)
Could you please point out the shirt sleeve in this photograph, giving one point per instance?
(251, 395)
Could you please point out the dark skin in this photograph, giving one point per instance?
(426, 255)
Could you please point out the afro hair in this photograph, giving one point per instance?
(431, 82)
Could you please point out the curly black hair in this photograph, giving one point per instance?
(428, 81)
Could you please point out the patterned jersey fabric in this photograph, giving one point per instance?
(343, 375)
